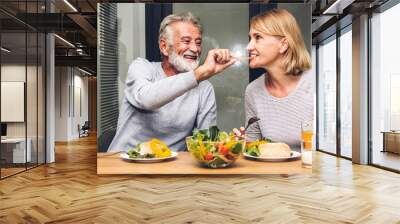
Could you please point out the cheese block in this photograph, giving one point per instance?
(274, 150)
(145, 148)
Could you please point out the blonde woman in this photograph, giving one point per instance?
(283, 97)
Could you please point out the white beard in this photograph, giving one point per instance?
(180, 63)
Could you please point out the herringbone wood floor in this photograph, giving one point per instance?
(69, 191)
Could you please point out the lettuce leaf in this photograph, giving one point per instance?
(253, 151)
(237, 148)
(210, 134)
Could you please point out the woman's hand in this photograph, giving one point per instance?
(239, 132)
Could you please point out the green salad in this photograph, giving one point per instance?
(215, 148)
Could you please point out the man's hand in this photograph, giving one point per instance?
(217, 60)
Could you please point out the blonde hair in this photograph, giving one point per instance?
(279, 22)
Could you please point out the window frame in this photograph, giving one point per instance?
(334, 37)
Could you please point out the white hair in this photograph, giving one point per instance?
(165, 31)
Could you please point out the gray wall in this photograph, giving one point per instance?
(131, 38)
(225, 25)
(302, 13)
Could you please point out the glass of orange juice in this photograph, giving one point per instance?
(307, 137)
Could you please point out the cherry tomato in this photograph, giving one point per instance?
(223, 149)
(209, 156)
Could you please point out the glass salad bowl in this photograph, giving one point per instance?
(215, 152)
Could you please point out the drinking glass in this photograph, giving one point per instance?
(307, 146)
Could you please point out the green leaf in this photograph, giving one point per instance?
(132, 153)
(253, 151)
(195, 133)
(213, 131)
(237, 148)
(210, 134)
(222, 136)
(212, 149)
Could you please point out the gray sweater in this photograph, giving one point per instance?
(280, 117)
(158, 106)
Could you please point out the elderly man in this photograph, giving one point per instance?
(168, 99)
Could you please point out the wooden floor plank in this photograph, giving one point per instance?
(70, 191)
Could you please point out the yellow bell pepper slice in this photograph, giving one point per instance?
(159, 148)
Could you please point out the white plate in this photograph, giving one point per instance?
(293, 156)
(125, 156)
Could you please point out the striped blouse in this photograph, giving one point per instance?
(280, 118)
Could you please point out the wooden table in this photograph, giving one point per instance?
(391, 141)
(111, 163)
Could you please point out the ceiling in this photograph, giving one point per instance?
(332, 15)
(72, 20)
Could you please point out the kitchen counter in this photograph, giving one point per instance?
(111, 163)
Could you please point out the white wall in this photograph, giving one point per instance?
(80, 83)
(67, 115)
(33, 126)
(61, 103)
(131, 38)
(12, 73)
